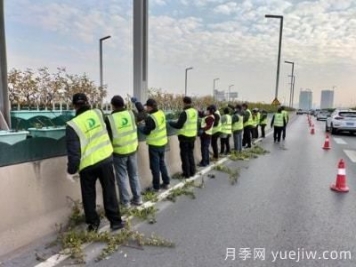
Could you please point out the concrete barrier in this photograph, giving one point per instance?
(34, 195)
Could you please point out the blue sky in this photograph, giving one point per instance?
(227, 39)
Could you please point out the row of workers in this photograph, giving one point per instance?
(97, 146)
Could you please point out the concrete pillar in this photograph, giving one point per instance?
(4, 98)
(140, 44)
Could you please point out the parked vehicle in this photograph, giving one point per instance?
(322, 115)
(300, 112)
(341, 120)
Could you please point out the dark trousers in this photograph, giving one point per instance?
(88, 178)
(205, 157)
(214, 145)
(263, 126)
(158, 166)
(254, 132)
(187, 158)
(284, 132)
(277, 133)
(246, 141)
(225, 145)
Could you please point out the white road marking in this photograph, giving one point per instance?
(351, 154)
(339, 141)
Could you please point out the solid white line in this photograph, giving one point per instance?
(339, 141)
(351, 154)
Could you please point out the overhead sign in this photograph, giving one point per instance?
(275, 102)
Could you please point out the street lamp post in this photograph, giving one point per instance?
(279, 48)
(291, 82)
(186, 78)
(231, 85)
(214, 88)
(4, 97)
(101, 58)
(293, 91)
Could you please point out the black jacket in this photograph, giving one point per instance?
(180, 124)
(74, 151)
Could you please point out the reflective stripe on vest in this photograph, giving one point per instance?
(217, 128)
(239, 125)
(278, 120)
(158, 137)
(190, 127)
(124, 131)
(95, 144)
(249, 122)
(203, 125)
(227, 125)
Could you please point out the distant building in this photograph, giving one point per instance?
(327, 99)
(305, 99)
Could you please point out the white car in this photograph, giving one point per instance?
(341, 120)
(322, 115)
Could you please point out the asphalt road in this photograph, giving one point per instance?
(282, 204)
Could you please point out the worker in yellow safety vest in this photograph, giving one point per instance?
(122, 128)
(237, 128)
(205, 133)
(248, 126)
(286, 117)
(278, 122)
(90, 152)
(263, 122)
(155, 129)
(226, 132)
(187, 125)
(256, 122)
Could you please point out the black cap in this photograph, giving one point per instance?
(211, 108)
(79, 98)
(117, 101)
(151, 102)
(187, 100)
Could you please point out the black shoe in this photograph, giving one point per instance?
(153, 190)
(165, 186)
(117, 226)
(93, 228)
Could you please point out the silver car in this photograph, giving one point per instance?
(341, 120)
(322, 115)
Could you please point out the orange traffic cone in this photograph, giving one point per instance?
(340, 185)
(327, 142)
(312, 131)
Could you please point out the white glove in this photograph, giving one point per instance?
(73, 177)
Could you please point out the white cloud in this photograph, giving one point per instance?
(231, 35)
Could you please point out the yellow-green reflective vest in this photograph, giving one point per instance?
(217, 128)
(95, 144)
(124, 132)
(285, 115)
(239, 125)
(264, 121)
(203, 125)
(226, 127)
(258, 118)
(158, 137)
(278, 120)
(190, 127)
(249, 122)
